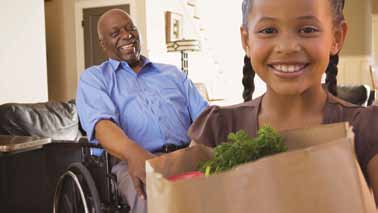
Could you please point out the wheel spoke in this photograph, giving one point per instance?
(77, 192)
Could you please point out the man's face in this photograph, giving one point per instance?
(119, 37)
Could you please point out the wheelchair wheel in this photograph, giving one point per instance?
(76, 192)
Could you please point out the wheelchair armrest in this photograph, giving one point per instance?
(82, 142)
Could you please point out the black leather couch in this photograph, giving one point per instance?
(28, 179)
(357, 94)
(56, 120)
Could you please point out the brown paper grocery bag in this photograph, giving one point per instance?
(318, 174)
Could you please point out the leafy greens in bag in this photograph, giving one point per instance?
(240, 148)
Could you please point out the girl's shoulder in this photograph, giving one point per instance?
(364, 121)
(239, 112)
(240, 107)
(340, 110)
(214, 123)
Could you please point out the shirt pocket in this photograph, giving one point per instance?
(173, 95)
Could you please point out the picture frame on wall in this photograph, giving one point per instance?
(173, 26)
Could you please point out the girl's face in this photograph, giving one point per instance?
(290, 42)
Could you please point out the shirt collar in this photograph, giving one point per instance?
(115, 63)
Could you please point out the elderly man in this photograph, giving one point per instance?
(133, 107)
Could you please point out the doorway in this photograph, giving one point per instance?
(92, 49)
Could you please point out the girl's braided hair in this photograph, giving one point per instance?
(331, 72)
(248, 76)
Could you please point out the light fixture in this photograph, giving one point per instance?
(184, 46)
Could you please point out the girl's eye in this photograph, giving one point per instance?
(269, 30)
(307, 30)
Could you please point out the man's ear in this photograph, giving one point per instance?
(102, 44)
(339, 35)
(244, 40)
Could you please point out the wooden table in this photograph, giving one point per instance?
(15, 144)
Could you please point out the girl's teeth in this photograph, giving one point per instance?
(284, 68)
(288, 68)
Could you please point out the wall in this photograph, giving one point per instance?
(358, 16)
(375, 39)
(61, 46)
(23, 52)
(155, 28)
(157, 50)
(155, 37)
(219, 63)
(356, 55)
(375, 31)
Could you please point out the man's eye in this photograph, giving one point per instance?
(114, 34)
(131, 28)
(308, 30)
(269, 30)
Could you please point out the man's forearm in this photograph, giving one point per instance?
(115, 141)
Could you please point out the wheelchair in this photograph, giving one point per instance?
(88, 186)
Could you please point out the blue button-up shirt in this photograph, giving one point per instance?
(153, 107)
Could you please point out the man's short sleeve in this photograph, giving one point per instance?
(196, 103)
(93, 101)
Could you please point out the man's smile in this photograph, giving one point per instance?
(128, 47)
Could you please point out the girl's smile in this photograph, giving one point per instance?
(290, 45)
(288, 69)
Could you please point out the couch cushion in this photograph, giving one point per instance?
(56, 120)
(355, 94)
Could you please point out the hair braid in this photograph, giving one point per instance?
(248, 76)
(331, 74)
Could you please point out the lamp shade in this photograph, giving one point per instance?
(184, 45)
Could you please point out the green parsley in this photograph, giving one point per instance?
(240, 148)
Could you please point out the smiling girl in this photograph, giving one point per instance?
(289, 44)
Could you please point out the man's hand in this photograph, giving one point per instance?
(116, 142)
(137, 172)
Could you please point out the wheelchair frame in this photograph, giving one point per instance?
(86, 193)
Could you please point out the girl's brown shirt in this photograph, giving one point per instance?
(215, 123)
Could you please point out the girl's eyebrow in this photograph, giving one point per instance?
(312, 18)
(309, 17)
(270, 19)
(266, 18)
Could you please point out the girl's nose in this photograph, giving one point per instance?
(287, 44)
